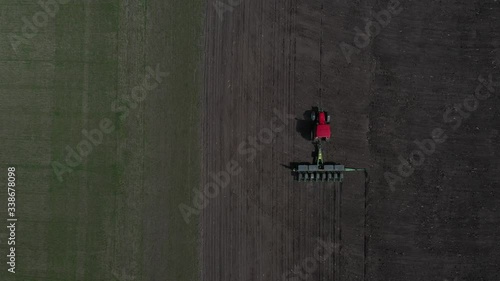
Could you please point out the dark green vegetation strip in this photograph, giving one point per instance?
(184, 125)
(82, 206)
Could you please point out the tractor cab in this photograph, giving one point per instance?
(321, 129)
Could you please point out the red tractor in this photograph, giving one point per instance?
(319, 170)
(321, 129)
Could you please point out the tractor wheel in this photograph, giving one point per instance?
(313, 116)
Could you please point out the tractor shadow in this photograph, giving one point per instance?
(290, 167)
(293, 165)
(304, 126)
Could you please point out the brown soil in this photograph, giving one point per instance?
(439, 223)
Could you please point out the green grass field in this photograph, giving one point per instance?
(110, 219)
